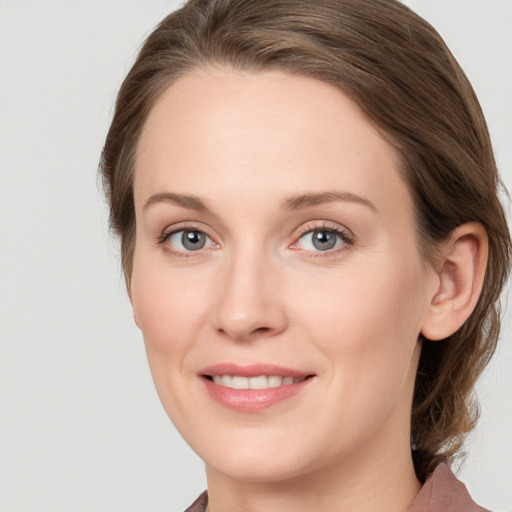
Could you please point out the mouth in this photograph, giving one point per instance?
(255, 387)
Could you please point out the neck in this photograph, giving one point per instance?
(357, 484)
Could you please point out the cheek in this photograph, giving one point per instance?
(366, 321)
(382, 297)
(367, 331)
(168, 307)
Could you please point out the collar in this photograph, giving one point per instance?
(442, 492)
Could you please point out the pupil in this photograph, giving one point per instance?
(193, 240)
(324, 240)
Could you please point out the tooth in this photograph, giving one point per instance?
(274, 381)
(240, 382)
(227, 381)
(260, 382)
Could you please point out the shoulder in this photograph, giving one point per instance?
(200, 504)
(443, 492)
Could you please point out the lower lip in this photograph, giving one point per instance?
(252, 399)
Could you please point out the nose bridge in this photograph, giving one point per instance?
(248, 305)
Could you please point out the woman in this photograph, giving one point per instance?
(314, 249)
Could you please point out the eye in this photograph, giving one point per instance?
(322, 240)
(187, 240)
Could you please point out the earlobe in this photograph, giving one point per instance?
(460, 274)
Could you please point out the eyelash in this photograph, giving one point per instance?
(166, 235)
(346, 237)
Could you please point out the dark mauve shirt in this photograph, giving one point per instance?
(442, 492)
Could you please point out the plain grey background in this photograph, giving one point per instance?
(81, 427)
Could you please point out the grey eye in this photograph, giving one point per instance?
(189, 240)
(320, 240)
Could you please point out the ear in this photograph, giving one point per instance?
(460, 277)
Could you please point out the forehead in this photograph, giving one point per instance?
(262, 132)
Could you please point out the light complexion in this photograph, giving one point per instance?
(276, 253)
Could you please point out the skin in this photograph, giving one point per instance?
(259, 292)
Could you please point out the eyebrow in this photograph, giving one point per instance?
(298, 202)
(306, 200)
(189, 202)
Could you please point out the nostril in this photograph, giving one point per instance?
(262, 329)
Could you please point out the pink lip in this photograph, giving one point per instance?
(252, 370)
(252, 400)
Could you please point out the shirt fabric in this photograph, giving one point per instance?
(442, 492)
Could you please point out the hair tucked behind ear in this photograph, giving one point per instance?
(396, 67)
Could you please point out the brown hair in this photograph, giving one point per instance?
(397, 68)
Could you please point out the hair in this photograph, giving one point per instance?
(398, 70)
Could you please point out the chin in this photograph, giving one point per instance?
(257, 460)
(257, 469)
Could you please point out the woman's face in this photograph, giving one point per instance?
(276, 251)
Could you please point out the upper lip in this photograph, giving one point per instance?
(253, 370)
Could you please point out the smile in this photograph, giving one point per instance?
(258, 382)
(253, 388)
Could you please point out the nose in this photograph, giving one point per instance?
(249, 305)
